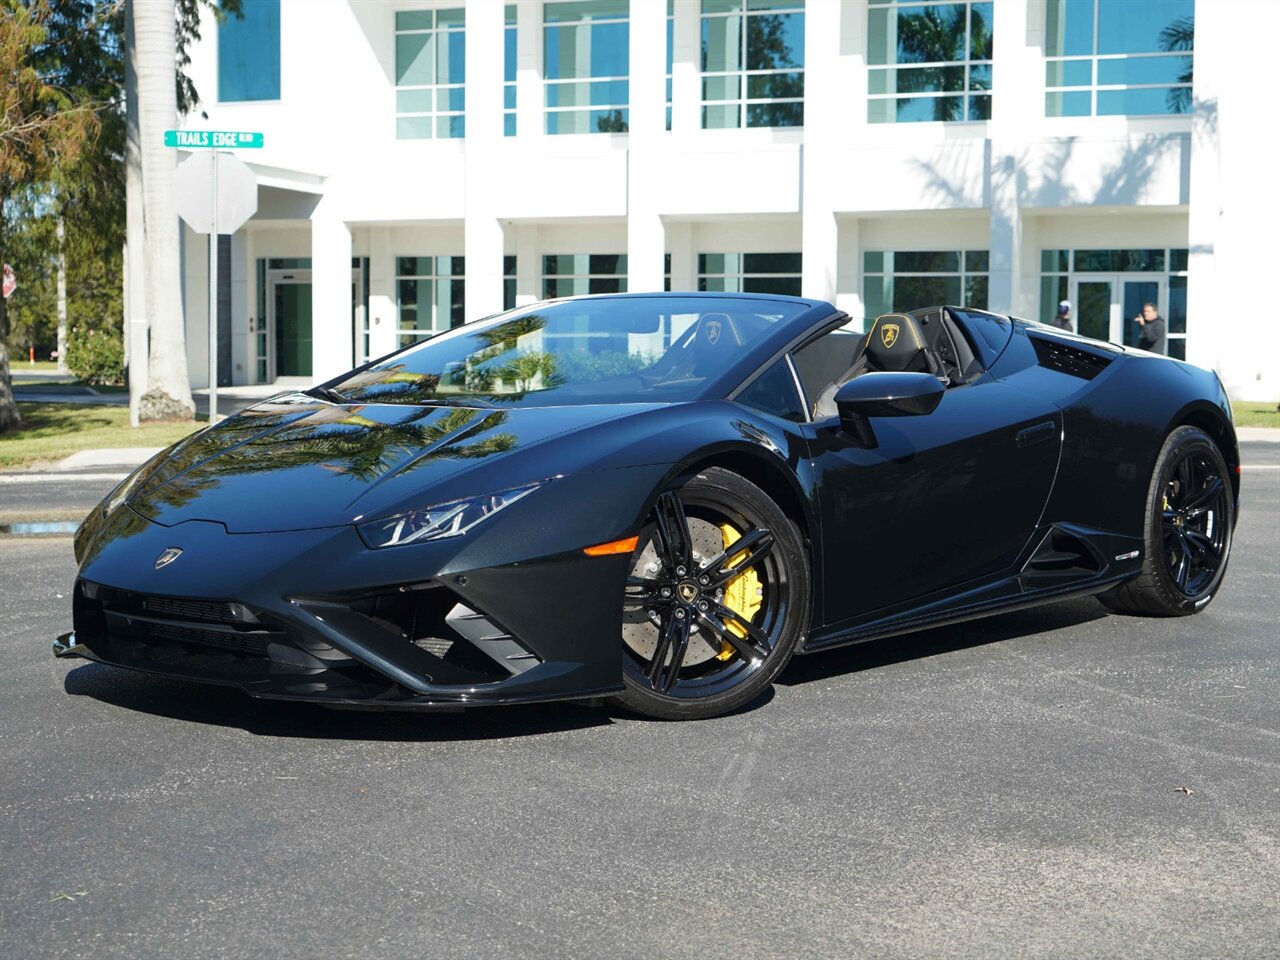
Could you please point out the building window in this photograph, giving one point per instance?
(509, 35)
(430, 70)
(508, 282)
(671, 40)
(903, 280)
(1118, 57)
(249, 54)
(586, 65)
(752, 63)
(1107, 289)
(571, 275)
(750, 273)
(429, 292)
(928, 61)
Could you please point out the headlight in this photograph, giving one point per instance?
(441, 521)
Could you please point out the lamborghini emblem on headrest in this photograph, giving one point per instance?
(713, 331)
(889, 334)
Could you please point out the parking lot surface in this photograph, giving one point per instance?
(1057, 782)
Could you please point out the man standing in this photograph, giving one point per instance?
(1151, 330)
(1063, 319)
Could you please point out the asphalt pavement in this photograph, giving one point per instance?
(1048, 783)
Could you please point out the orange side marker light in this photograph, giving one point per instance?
(612, 547)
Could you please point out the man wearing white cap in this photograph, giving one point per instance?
(1063, 319)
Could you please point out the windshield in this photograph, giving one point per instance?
(609, 350)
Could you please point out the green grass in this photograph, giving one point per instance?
(52, 431)
(1255, 414)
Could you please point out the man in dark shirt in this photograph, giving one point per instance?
(1063, 319)
(1151, 329)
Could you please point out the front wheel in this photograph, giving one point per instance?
(1189, 522)
(717, 599)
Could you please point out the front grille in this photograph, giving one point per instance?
(196, 624)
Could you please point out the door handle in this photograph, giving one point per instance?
(1041, 431)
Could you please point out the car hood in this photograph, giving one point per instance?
(297, 463)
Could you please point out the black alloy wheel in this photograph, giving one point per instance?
(1189, 524)
(717, 598)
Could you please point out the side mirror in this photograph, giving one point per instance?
(885, 395)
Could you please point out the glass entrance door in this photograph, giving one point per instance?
(289, 305)
(1093, 300)
(1105, 306)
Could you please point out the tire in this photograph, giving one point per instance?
(1187, 531)
(733, 618)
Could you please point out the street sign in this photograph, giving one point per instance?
(213, 139)
(237, 192)
(10, 281)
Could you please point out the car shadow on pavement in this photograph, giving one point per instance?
(226, 707)
(940, 640)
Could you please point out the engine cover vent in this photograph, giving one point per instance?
(1069, 359)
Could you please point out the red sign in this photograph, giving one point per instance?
(10, 281)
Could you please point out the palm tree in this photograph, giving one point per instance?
(1179, 37)
(152, 56)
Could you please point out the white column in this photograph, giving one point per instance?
(194, 257)
(849, 271)
(1018, 97)
(824, 100)
(529, 122)
(647, 125)
(686, 67)
(684, 267)
(528, 265)
(332, 333)
(382, 293)
(483, 244)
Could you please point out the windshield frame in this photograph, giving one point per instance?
(720, 386)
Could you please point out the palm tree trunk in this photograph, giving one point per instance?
(8, 409)
(168, 394)
(135, 261)
(62, 295)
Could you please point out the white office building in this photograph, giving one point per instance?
(429, 162)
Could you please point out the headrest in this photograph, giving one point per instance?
(895, 343)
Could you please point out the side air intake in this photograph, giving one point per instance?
(1061, 555)
(1068, 359)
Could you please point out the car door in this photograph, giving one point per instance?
(942, 499)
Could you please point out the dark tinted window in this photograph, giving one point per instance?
(774, 392)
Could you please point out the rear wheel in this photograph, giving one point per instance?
(717, 598)
(1189, 522)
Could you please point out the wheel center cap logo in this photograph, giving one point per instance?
(166, 558)
(688, 592)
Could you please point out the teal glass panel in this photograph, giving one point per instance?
(1068, 28)
(779, 286)
(608, 53)
(1144, 26)
(415, 59)
(414, 128)
(509, 97)
(1132, 70)
(1068, 73)
(414, 101)
(1053, 290)
(873, 261)
(455, 17)
(1177, 305)
(881, 111)
(450, 99)
(1177, 348)
(721, 88)
(979, 108)
(451, 128)
(927, 109)
(415, 19)
(977, 261)
(1178, 260)
(584, 10)
(775, 86)
(721, 43)
(975, 292)
(918, 80)
(770, 114)
(917, 34)
(720, 116)
(729, 284)
(980, 76)
(1054, 261)
(912, 292)
(771, 263)
(877, 295)
(249, 54)
(451, 57)
(757, 5)
(1144, 101)
(775, 41)
(1068, 104)
(721, 6)
(981, 31)
(927, 261)
(509, 55)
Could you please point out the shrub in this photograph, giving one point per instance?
(95, 356)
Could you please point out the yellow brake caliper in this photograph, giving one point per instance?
(743, 594)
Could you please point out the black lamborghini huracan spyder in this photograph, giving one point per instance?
(658, 498)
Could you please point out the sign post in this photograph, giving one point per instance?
(207, 206)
